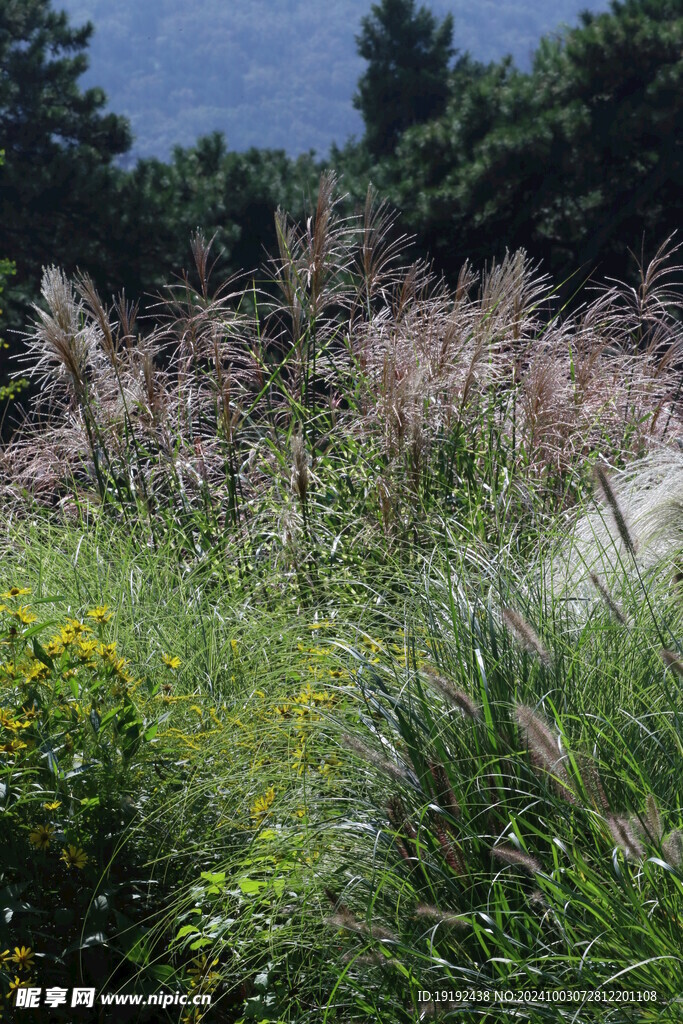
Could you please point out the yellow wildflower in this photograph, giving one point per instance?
(54, 646)
(171, 660)
(119, 665)
(24, 615)
(40, 836)
(201, 965)
(299, 756)
(262, 804)
(86, 649)
(13, 746)
(100, 614)
(52, 806)
(23, 958)
(36, 670)
(16, 592)
(74, 857)
(77, 627)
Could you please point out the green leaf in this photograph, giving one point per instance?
(216, 877)
(42, 655)
(251, 886)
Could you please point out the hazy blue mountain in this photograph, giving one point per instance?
(268, 73)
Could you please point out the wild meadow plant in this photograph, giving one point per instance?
(406, 394)
(324, 689)
(521, 831)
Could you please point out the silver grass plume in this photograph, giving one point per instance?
(300, 472)
(60, 346)
(526, 635)
(650, 497)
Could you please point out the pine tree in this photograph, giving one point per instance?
(407, 78)
(59, 147)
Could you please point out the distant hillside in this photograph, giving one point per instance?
(268, 73)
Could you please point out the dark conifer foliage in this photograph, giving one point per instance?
(406, 81)
(56, 185)
(578, 161)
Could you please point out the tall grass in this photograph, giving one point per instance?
(466, 396)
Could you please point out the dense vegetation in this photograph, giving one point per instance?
(308, 704)
(340, 601)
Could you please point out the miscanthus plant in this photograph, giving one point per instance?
(399, 394)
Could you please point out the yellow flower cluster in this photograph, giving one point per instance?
(21, 961)
(262, 804)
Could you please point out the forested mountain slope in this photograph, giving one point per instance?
(268, 73)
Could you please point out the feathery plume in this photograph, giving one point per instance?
(537, 899)
(593, 783)
(672, 661)
(525, 634)
(444, 790)
(672, 848)
(346, 920)
(654, 820)
(458, 698)
(608, 599)
(436, 914)
(396, 813)
(624, 834)
(511, 855)
(300, 474)
(543, 749)
(351, 743)
(605, 487)
(451, 854)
